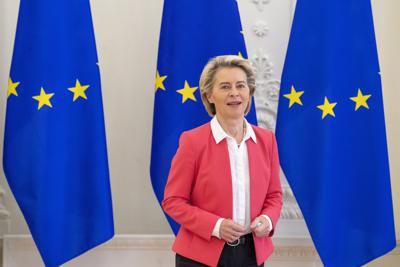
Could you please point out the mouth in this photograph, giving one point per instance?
(234, 103)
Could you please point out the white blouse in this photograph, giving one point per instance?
(239, 163)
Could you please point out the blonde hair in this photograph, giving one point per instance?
(208, 75)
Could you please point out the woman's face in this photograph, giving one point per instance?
(230, 93)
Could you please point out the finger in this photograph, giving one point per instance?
(236, 235)
(231, 234)
(226, 222)
(226, 237)
(260, 231)
(255, 222)
(229, 221)
(226, 226)
(230, 238)
(238, 230)
(255, 225)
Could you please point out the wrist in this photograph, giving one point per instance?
(216, 230)
(267, 221)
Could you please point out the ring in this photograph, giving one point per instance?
(234, 243)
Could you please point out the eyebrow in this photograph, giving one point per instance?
(223, 83)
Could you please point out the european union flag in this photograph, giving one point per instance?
(192, 32)
(55, 156)
(331, 131)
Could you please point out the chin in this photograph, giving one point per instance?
(236, 115)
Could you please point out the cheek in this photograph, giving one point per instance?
(246, 95)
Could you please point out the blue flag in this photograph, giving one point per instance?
(192, 32)
(55, 156)
(331, 131)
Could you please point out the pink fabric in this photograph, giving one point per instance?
(199, 191)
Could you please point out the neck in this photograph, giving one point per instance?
(234, 127)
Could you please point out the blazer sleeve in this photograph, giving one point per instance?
(177, 194)
(273, 200)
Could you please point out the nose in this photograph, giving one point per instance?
(234, 91)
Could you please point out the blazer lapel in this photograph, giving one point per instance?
(221, 168)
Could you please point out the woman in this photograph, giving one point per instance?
(223, 186)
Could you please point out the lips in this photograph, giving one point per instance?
(234, 103)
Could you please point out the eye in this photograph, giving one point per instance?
(225, 87)
(241, 86)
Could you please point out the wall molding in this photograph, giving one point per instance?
(4, 214)
(267, 93)
(260, 4)
(260, 28)
(153, 250)
(290, 209)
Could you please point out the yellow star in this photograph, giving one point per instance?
(187, 92)
(43, 98)
(294, 97)
(159, 81)
(12, 88)
(79, 90)
(240, 55)
(360, 100)
(327, 108)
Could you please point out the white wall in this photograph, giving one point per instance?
(127, 39)
(387, 22)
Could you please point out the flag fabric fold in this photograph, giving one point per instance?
(331, 131)
(55, 156)
(192, 32)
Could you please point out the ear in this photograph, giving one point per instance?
(210, 98)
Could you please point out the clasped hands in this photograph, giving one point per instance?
(231, 231)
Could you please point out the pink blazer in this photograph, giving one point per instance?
(199, 191)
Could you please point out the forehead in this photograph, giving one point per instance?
(230, 74)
